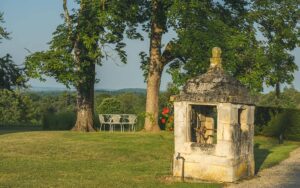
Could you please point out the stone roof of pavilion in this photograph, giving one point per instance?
(215, 86)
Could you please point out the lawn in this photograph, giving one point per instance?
(71, 159)
(268, 152)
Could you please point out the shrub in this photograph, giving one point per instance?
(286, 123)
(109, 106)
(59, 121)
(63, 121)
(16, 109)
(263, 116)
(166, 119)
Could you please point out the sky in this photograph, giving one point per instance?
(32, 22)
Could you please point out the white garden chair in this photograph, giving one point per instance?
(104, 122)
(130, 120)
(115, 119)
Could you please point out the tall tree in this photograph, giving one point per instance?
(11, 75)
(80, 43)
(278, 21)
(158, 57)
(200, 25)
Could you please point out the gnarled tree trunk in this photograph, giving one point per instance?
(84, 121)
(85, 111)
(85, 104)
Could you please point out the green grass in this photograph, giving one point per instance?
(268, 152)
(70, 159)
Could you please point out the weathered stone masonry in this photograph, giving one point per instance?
(214, 127)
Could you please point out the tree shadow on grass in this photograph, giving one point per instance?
(9, 130)
(260, 155)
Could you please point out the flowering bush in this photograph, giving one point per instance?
(167, 119)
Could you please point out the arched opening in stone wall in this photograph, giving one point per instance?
(203, 124)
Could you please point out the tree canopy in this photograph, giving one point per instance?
(11, 75)
(236, 27)
(278, 22)
(80, 43)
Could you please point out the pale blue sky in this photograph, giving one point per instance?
(31, 24)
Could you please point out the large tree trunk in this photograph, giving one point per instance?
(84, 121)
(86, 70)
(155, 71)
(153, 85)
(85, 103)
(85, 112)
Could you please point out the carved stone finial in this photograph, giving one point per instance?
(216, 60)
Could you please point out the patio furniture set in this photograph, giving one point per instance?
(121, 120)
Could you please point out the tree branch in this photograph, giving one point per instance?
(167, 55)
(67, 17)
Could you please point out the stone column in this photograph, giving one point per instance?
(226, 122)
(181, 118)
(250, 122)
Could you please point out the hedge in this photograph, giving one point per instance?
(272, 121)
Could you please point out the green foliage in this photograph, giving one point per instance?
(81, 43)
(164, 97)
(64, 120)
(286, 123)
(110, 106)
(56, 111)
(11, 75)
(83, 40)
(278, 21)
(166, 118)
(3, 33)
(289, 98)
(130, 103)
(277, 125)
(263, 116)
(59, 121)
(274, 121)
(27, 109)
(16, 109)
(233, 26)
(203, 25)
(63, 102)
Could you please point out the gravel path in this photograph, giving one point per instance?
(284, 175)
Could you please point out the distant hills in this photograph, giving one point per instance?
(125, 90)
(38, 89)
(111, 91)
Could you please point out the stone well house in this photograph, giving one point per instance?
(214, 127)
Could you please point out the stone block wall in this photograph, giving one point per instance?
(230, 159)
